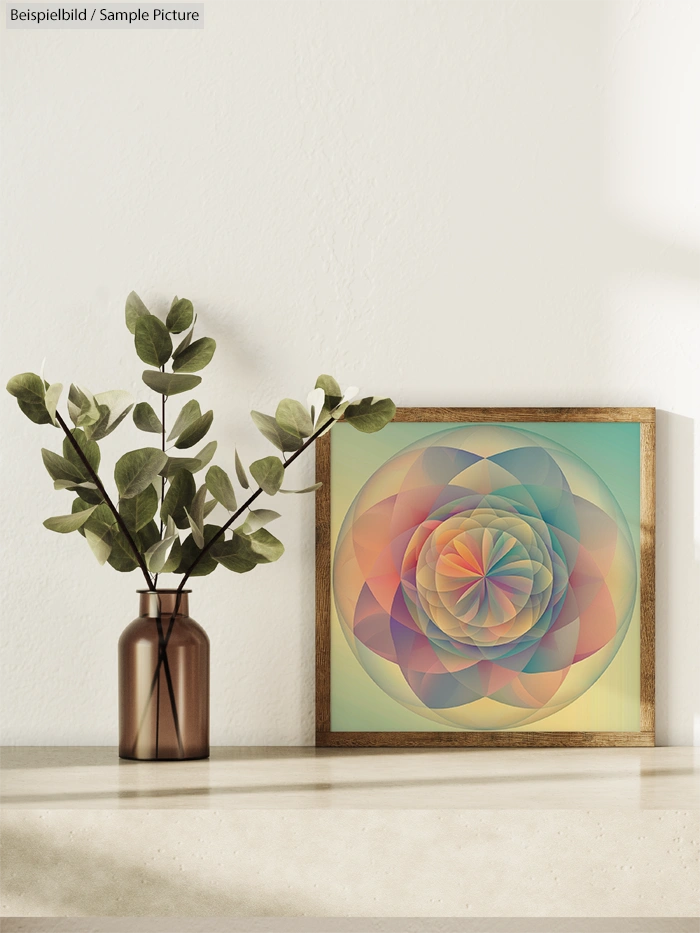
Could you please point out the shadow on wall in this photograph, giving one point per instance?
(75, 879)
(675, 517)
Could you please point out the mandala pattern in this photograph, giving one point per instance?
(485, 577)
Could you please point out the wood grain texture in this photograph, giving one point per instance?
(484, 739)
(640, 415)
(646, 418)
(647, 579)
(323, 585)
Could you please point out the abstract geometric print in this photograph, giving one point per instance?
(485, 577)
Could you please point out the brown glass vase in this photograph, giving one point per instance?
(163, 682)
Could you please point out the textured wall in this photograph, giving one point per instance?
(470, 203)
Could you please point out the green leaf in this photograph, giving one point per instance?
(121, 556)
(72, 485)
(51, 399)
(186, 340)
(219, 485)
(91, 496)
(268, 427)
(257, 518)
(195, 432)
(235, 554)
(194, 357)
(333, 395)
(137, 511)
(291, 416)
(137, 469)
(180, 315)
(146, 419)
(241, 473)
(147, 537)
(188, 415)
(339, 411)
(113, 407)
(60, 468)
(190, 552)
(330, 386)
(100, 543)
(157, 555)
(193, 464)
(315, 401)
(265, 546)
(243, 551)
(174, 558)
(204, 455)
(178, 498)
(89, 448)
(101, 518)
(209, 507)
(152, 340)
(175, 464)
(299, 491)
(82, 407)
(29, 390)
(134, 310)
(169, 383)
(197, 533)
(268, 473)
(28, 386)
(370, 414)
(79, 505)
(196, 516)
(64, 524)
(87, 491)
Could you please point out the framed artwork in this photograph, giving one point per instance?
(486, 577)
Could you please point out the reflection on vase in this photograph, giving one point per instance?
(163, 682)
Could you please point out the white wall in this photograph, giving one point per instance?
(466, 203)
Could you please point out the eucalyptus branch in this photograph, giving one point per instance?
(224, 528)
(136, 471)
(207, 547)
(98, 482)
(162, 479)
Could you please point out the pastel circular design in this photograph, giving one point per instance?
(485, 577)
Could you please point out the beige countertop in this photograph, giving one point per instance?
(278, 778)
(335, 833)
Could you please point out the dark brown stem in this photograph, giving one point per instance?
(162, 479)
(162, 644)
(224, 528)
(162, 659)
(207, 547)
(98, 482)
(169, 682)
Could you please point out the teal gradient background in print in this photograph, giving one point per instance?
(611, 450)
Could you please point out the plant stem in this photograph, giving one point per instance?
(224, 528)
(162, 479)
(162, 644)
(98, 482)
(169, 682)
(161, 656)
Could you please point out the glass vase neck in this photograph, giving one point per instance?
(150, 600)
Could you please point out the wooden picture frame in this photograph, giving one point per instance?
(325, 737)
